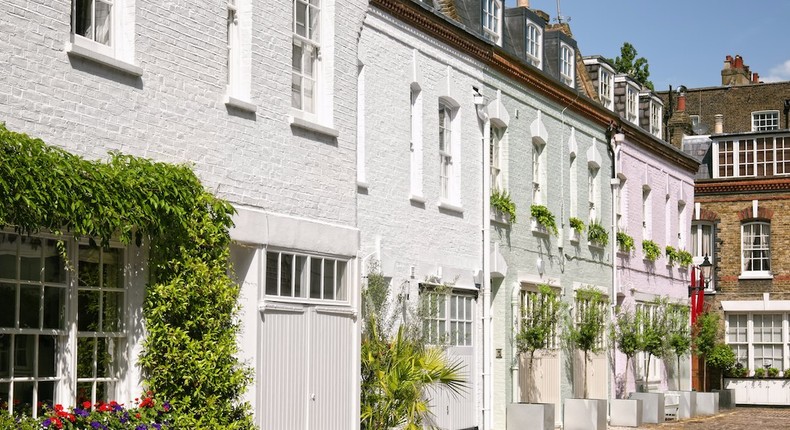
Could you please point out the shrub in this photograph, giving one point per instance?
(544, 217)
(651, 250)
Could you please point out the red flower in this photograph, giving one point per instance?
(147, 403)
(137, 415)
(56, 421)
(105, 407)
(58, 408)
(86, 405)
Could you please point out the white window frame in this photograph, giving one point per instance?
(573, 184)
(309, 41)
(760, 251)
(449, 149)
(529, 299)
(533, 44)
(647, 212)
(495, 151)
(492, 19)
(761, 156)
(593, 191)
(106, 43)
(655, 119)
(642, 358)
(116, 51)
(567, 62)
(415, 142)
(67, 333)
(234, 49)
(288, 271)
(747, 338)
(448, 317)
(539, 179)
(632, 104)
(606, 87)
(765, 120)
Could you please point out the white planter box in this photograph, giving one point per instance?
(625, 412)
(707, 403)
(687, 405)
(584, 414)
(726, 398)
(652, 406)
(499, 217)
(530, 416)
(538, 228)
(749, 391)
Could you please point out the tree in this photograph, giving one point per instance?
(634, 67)
(540, 316)
(397, 372)
(586, 332)
(653, 331)
(679, 333)
(722, 358)
(705, 336)
(625, 333)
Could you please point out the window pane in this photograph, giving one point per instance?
(329, 279)
(82, 20)
(23, 398)
(112, 318)
(296, 91)
(84, 392)
(30, 306)
(30, 260)
(46, 396)
(454, 307)
(315, 277)
(47, 351)
(271, 273)
(103, 22)
(112, 268)
(315, 24)
(300, 23)
(54, 268)
(24, 345)
(54, 307)
(7, 305)
(8, 256)
(88, 310)
(286, 275)
(299, 276)
(88, 275)
(85, 356)
(5, 357)
(340, 285)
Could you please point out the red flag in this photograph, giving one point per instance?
(693, 295)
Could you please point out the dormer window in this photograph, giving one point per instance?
(534, 44)
(566, 65)
(631, 104)
(492, 18)
(655, 119)
(605, 88)
(765, 120)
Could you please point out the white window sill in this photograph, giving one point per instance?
(240, 104)
(417, 199)
(77, 50)
(451, 207)
(748, 275)
(305, 124)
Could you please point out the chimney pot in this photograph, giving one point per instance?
(523, 3)
(738, 62)
(756, 78)
(682, 102)
(718, 123)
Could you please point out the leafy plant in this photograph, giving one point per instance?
(191, 303)
(544, 217)
(786, 373)
(651, 250)
(628, 63)
(596, 233)
(759, 372)
(398, 372)
(501, 201)
(625, 333)
(685, 258)
(679, 338)
(540, 316)
(773, 372)
(654, 330)
(585, 333)
(672, 255)
(738, 371)
(705, 333)
(576, 224)
(722, 358)
(625, 242)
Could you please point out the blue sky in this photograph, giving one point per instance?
(685, 42)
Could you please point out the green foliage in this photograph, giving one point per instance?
(679, 340)
(576, 224)
(397, 374)
(684, 258)
(625, 242)
(720, 357)
(651, 250)
(738, 371)
(705, 333)
(672, 255)
(585, 332)
(501, 201)
(625, 334)
(597, 234)
(786, 373)
(773, 372)
(635, 67)
(191, 302)
(540, 317)
(544, 217)
(654, 329)
(759, 372)
(8, 421)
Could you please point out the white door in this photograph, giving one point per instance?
(543, 385)
(307, 373)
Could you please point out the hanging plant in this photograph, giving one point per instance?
(597, 234)
(684, 258)
(651, 250)
(576, 224)
(672, 255)
(544, 217)
(501, 201)
(625, 242)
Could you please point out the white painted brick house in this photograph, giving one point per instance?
(259, 98)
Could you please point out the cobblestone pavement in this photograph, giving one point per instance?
(741, 418)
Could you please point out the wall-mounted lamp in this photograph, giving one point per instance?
(706, 268)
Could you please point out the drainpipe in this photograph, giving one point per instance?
(615, 137)
(481, 105)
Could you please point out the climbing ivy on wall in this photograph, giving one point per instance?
(189, 353)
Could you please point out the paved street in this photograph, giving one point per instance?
(741, 418)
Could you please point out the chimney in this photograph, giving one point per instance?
(679, 124)
(734, 72)
(682, 102)
(523, 3)
(755, 78)
(718, 124)
(738, 62)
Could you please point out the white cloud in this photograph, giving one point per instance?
(778, 73)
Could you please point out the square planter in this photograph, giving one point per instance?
(707, 403)
(726, 398)
(584, 414)
(687, 403)
(625, 412)
(530, 416)
(652, 406)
